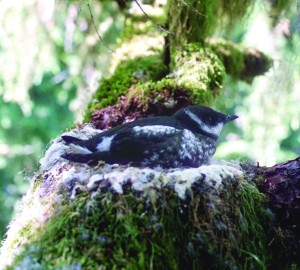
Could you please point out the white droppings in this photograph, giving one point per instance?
(53, 155)
(105, 143)
(147, 180)
(117, 187)
(212, 175)
(94, 181)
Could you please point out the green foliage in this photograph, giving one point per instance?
(51, 51)
(27, 136)
(268, 128)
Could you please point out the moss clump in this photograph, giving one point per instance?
(201, 72)
(252, 227)
(130, 232)
(240, 62)
(127, 73)
(37, 182)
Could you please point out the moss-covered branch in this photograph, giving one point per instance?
(240, 62)
(112, 216)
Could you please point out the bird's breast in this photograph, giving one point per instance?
(196, 149)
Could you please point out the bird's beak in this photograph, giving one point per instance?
(231, 118)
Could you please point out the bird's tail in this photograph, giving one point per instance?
(78, 152)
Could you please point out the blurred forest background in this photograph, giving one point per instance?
(52, 61)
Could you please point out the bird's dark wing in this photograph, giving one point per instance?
(135, 144)
(141, 142)
(91, 144)
(70, 139)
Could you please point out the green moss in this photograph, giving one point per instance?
(37, 182)
(240, 62)
(127, 73)
(201, 72)
(253, 220)
(129, 232)
(197, 71)
(231, 54)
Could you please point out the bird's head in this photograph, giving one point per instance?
(203, 120)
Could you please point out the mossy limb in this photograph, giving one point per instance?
(209, 217)
(240, 62)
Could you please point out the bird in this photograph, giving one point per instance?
(188, 138)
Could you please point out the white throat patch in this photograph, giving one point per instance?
(214, 130)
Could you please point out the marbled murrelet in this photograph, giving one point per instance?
(188, 138)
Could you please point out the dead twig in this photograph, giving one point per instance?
(195, 10)
(150, 18)
(93, 21)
